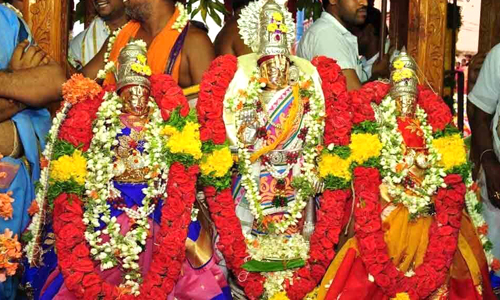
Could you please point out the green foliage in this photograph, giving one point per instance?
(336, 183)
(301, 183)
(462, 170)
(373, 162)
(58, 187)
(448, 130)
(366, 127)
(26, 237)
(209, 146)
(177, 121)
(272, 266)
(206, 8)
(185, 159)
(220, 184)
(62, 148)
(312, 8)
(488, 246)
(341, 151)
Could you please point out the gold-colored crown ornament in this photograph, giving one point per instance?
(267, 27)
(132, 67)
(404, 82)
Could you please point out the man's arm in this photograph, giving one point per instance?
(97, 63)
(199, 53)
(9, 108)
(352, 79)
(223, 43)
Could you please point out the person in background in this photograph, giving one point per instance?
(23, 70)
(368, 35)
(228, 41)
(110, 16)
(483, 111)
(331, 35)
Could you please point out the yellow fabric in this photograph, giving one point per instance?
(191, 90)
(287, 128)
(407, 242)
(334, 266)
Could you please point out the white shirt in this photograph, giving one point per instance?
(368, 65)
(486, 93)
(328, 37)
(87, 43)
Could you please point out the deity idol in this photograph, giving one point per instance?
(120, 173)
(413, 237)
(266, 110)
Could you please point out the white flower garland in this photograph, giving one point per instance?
(472, 204)
(313, 120)
(35, 227)
(275, 282)
(392, 154)
(99, 188)
(182, 19)
(273, 247)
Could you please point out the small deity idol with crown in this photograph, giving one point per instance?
(266, 111)
(120, 174)
(418, 233)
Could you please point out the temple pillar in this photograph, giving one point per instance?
(426, 40)
(489, 32)
(398, 27)
(48, 21)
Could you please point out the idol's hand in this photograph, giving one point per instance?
(26, 57)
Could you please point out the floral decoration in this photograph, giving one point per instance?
(6, 209)
(10, 254)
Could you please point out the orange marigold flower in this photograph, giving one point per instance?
(6, 209)
(10, 250)
(3, 175)
(79, 88)
(44, 162)
(495, 265)
(34, 208)
(483, 229)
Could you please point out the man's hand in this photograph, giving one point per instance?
(381, 68)
(33, 57)
(491, 168)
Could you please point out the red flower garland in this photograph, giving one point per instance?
(221, 204)
(168, 95)
(338, 123)
(443, 236)
(438, 113)
(361, 100)
(77, 266)
(210, 102)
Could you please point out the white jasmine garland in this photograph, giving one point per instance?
(313, 120)
(182, 19)
(277, 247)
(275, 281)
(474, 209)
(99, 188)
(35, 227)
(109, 66)
(392, 154)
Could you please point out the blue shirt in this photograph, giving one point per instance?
(9, 33)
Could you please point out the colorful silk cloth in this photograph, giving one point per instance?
(201, 279)
(278, 109)
(32, 126)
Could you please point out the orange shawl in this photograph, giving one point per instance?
(158, 51)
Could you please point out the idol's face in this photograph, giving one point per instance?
(139, 10)
(275, 70)
(352, 12)
(135, 99)
(108, 9)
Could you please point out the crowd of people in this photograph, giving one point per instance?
(178, 168)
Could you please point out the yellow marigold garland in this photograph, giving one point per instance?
(364, 146)
(331, 164)
(69, 167)
(186, 141)
(217, 163)
(452, 150)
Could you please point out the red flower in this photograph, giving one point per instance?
(168, 95)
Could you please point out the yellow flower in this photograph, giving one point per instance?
(406, 74)
(401, 296)
(217, 163)
(331, 164)
(277, 17)
(364, 146)
(452, 150)
(142, 59)
(185, 142)
(398, 64)
(272, 27)
(283, 28)
(279, 296)
(397, 76)
(70, 167)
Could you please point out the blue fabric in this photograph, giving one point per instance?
(194, 230)
(495, 280)
(54, 287)
(9, 32)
